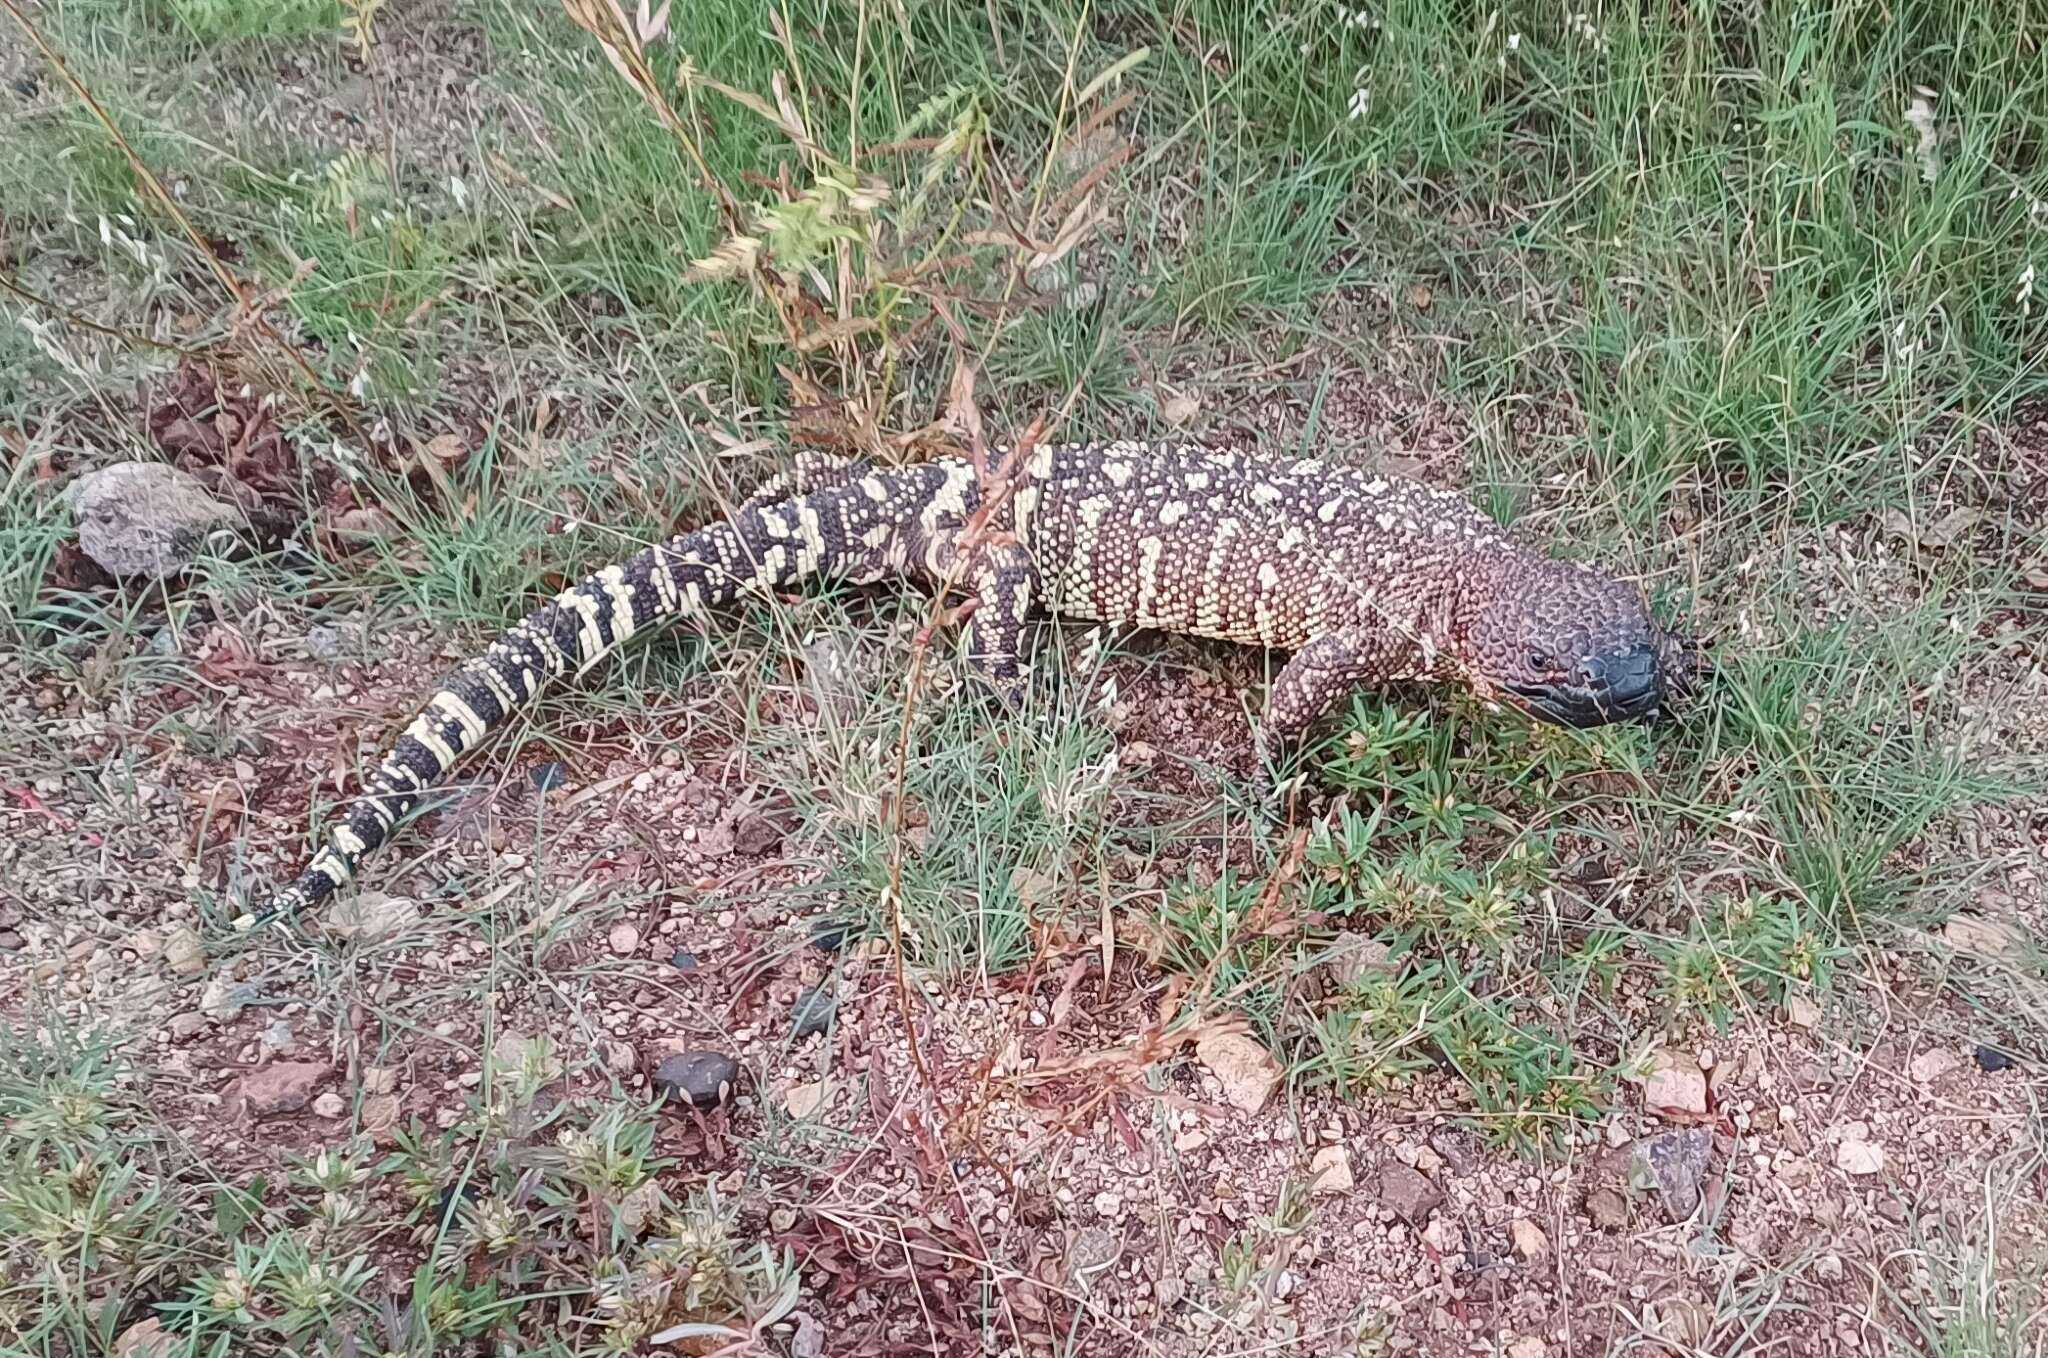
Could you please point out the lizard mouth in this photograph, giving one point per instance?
(1617, 686)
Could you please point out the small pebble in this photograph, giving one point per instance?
(702, 1078)
(470, 1191)
(1991, 1060)
(813, 1012)
(683, 960)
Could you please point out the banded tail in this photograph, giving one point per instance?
(839, 519)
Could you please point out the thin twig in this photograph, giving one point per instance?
(70, 317)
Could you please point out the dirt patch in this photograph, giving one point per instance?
(1130, 1207)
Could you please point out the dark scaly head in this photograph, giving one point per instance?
(1567, 644)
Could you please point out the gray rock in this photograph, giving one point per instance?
(1607, 1208)
(1458, 1147)
(146, 519)
(703, 1079)
(281, 1087)
(1673, 1163)
(329, 644)
(1409, 1193)
(813, 1012)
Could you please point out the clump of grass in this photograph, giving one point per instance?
(1456, 851)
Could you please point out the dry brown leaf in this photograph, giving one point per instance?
(962, 414)
(533, 451)
(1943, 532)
(835, 332)
(792, 127)
(792, 117)
(1080, 223)
(649, 27)
(444, 487)
(372, 523)
(734, 256)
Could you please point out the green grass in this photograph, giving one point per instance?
(103, 1210)
(1691, 299)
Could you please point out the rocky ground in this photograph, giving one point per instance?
(1802, 1180)
(628, 909)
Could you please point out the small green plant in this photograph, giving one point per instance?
(1252, 1259)
(1751, 949)
(105, 1214)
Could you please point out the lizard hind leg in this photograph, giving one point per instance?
(1004, 581)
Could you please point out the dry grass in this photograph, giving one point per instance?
(1723, 301)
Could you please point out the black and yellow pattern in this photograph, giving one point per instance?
(1365, 579)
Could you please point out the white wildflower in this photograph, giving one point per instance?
(1920, 117)
(458, 190)
(2025, 294)
(1361, 101)
(43, 334)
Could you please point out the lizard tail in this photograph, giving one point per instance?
(851, 528)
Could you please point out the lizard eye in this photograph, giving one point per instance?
(1541, 660)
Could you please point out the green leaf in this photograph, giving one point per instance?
(235, 1208)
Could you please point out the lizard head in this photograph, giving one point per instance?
(1570, 645)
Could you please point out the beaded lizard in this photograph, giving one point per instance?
(1364, 579)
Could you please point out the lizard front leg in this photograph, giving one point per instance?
(1316, 677)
